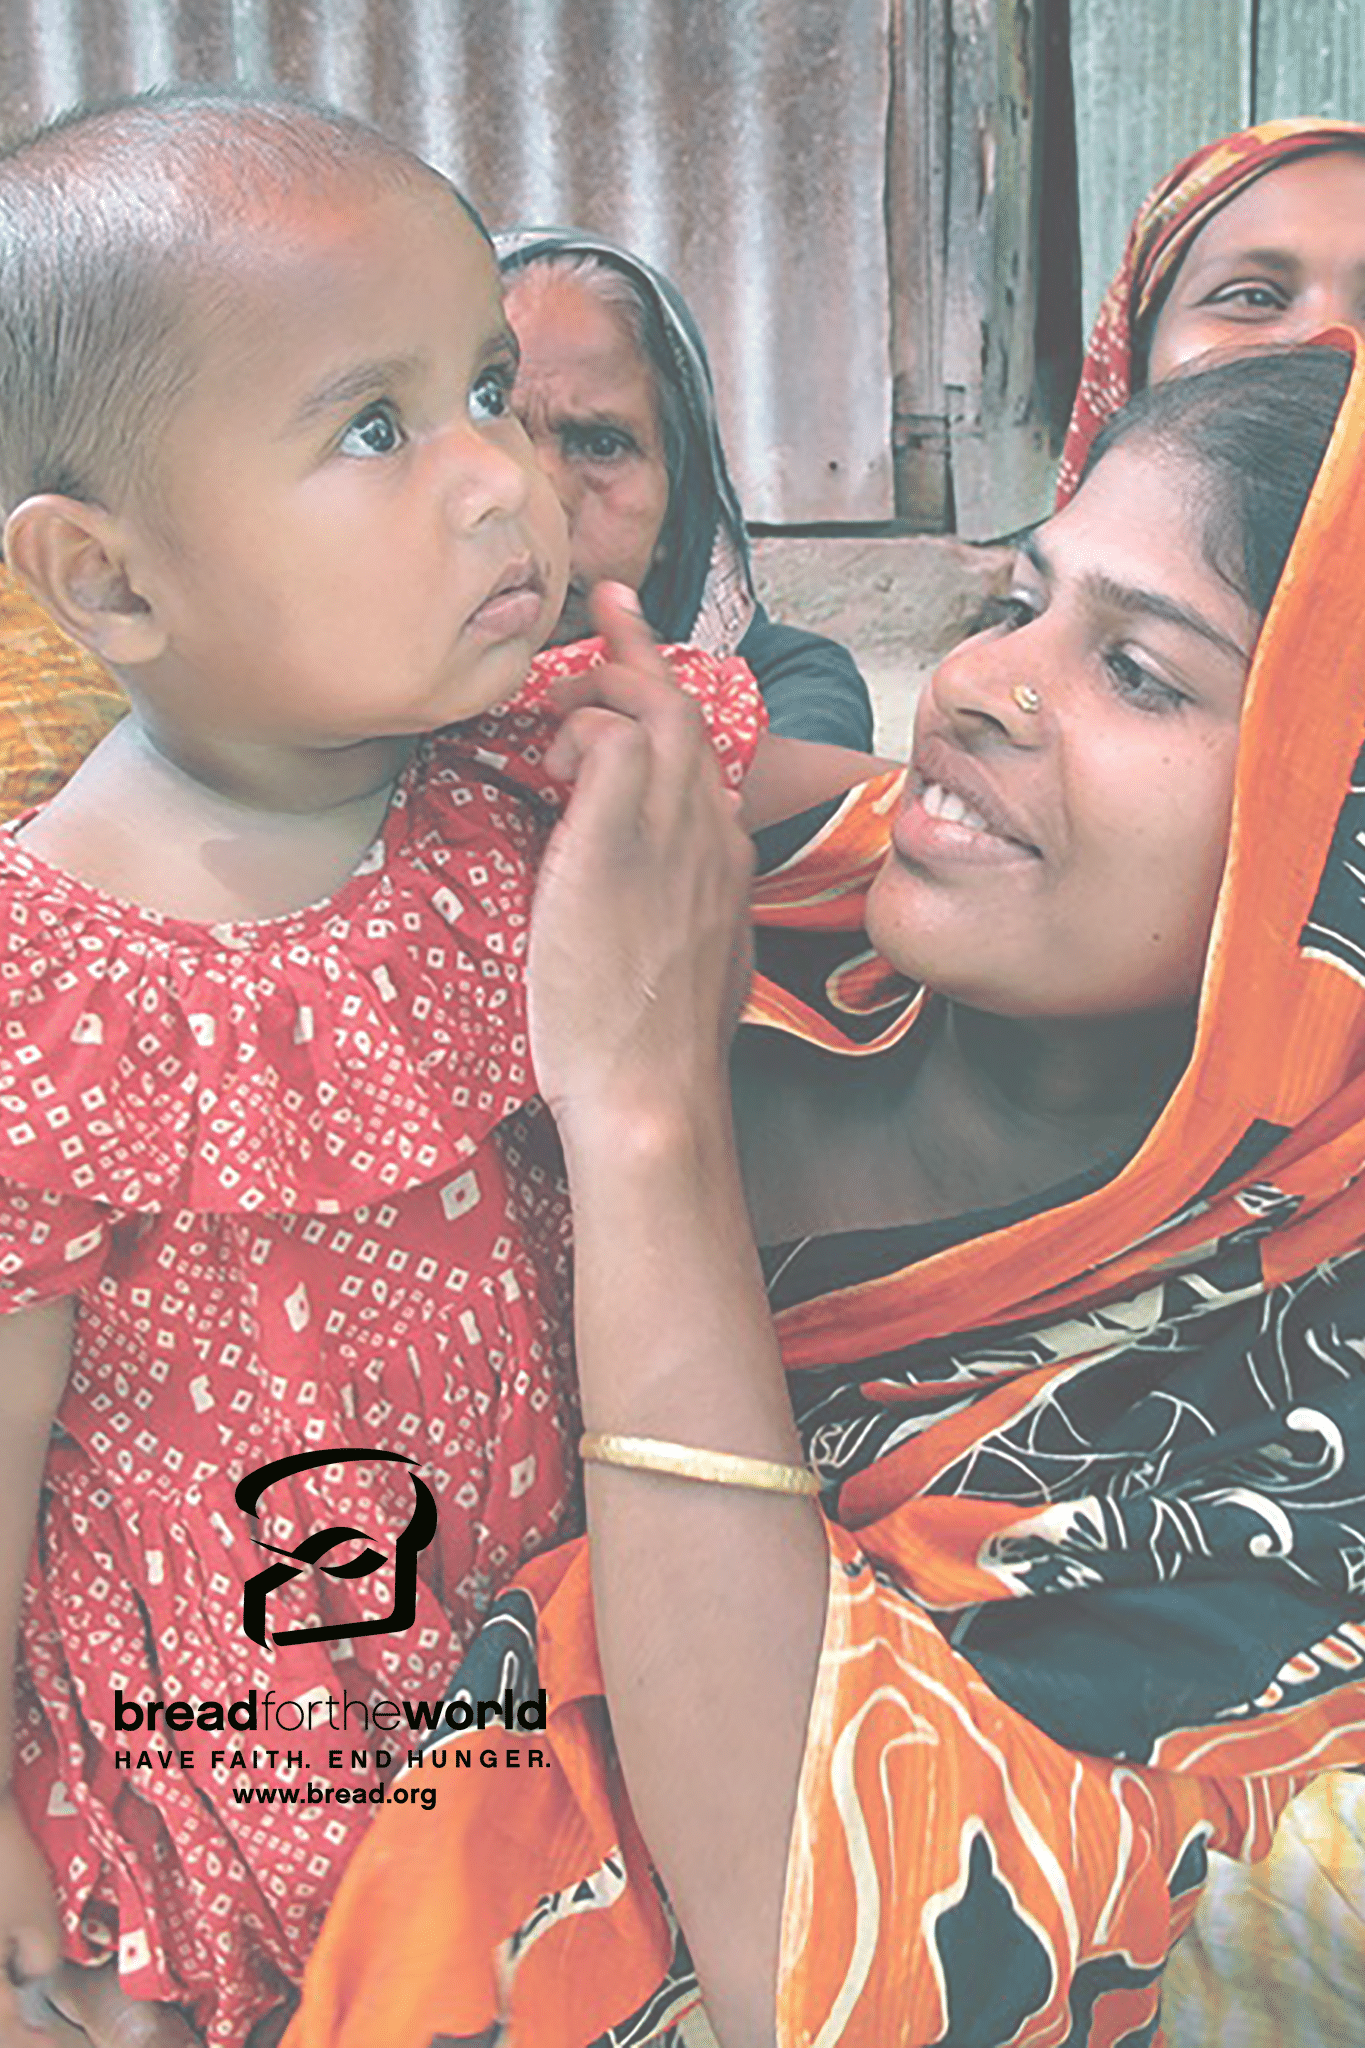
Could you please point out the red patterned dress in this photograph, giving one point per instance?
(294, 1172)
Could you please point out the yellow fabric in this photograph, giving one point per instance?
(1275, 1957)
(56, 702)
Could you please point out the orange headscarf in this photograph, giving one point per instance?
(1166, 224)
(1097, 1480)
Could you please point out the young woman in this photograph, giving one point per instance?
(1069, 1290)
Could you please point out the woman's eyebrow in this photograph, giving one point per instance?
(1268, 259)
(593, 416)
(1127, 597)
(1283, 264)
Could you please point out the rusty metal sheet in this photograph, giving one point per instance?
(1310, 59)
(738, 144)
(1151, 83)
(1001, 448)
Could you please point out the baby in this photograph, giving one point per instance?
(268, 1143)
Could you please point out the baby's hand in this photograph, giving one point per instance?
(29, 1927)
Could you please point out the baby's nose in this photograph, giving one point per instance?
(564, 479)
(485, 480)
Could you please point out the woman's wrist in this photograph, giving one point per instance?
(647, 1125)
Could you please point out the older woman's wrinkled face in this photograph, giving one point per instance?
(1277, 264)
(586, 397)
(1061, 840)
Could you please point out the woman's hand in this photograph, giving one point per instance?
(639, 936)
(701, 1592)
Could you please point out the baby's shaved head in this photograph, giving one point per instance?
(110, 219)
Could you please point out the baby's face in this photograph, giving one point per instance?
(353, 536)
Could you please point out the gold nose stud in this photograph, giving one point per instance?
(1027, 698)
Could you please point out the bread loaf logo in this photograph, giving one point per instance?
(313, 1549)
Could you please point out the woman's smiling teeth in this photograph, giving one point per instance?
(947, 805)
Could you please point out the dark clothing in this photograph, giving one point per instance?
(812, 686)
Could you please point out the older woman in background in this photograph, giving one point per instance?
(1255, 241)
(615, 391)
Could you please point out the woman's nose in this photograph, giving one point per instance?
(1331, 305)
(992, 686)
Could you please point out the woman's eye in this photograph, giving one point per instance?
(373, 432)
(491, 397)
(598, 444)
(1013, 611)
(1251, 298)
(1141, 686)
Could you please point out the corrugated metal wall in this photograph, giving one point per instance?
(1156, 79)
(844, 189)
(851, 192)
(738, 144)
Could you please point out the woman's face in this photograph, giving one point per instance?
(1064, 861)
(1283, 260)
(586, 397)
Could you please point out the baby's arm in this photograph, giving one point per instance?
(784, 777)
(35, 1356)
(789, 776)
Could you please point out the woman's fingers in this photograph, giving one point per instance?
(642, 889)
(634, 679)
(640, 905)
(575, 738)
(629, 643)
(611, 787)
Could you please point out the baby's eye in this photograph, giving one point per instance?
(376, 431)
(1141, 686)
(491, 397)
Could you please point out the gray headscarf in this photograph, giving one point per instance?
(700, 588)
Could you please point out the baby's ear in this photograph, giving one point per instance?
(72, 557)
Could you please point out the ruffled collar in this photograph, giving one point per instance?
(314, 1060)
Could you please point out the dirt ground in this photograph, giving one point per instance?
(899, 604)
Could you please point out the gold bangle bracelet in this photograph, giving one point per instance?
(681, 1461)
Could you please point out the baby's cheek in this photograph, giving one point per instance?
(552, 533)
